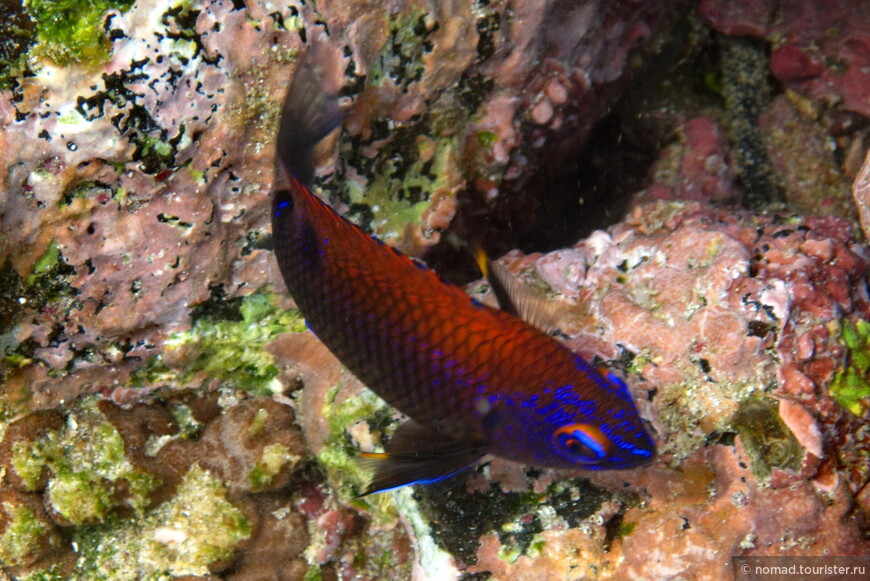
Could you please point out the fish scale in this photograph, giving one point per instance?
(473, 380)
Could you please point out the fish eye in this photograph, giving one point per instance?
(582, 442)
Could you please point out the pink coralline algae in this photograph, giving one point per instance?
(674, 279)
(695, 167)
(141, 190)
(861, 194)
(821, 49)
(150, 357)
(732, 327)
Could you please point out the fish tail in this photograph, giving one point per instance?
(311, 110)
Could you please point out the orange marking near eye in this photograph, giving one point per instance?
(587, 435)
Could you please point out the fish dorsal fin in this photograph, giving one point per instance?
(516, 298)
(418, 455)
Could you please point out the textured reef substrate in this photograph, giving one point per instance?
(687, 181)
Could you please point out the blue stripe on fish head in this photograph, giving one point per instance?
(610, 383)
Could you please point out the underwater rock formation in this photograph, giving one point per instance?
(820, 49)
(151, 416)
(175, 488)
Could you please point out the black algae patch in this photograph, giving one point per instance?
(47, 284)
(746, 88)
(11, 290)
(482, 576)
(16, 30)
(218, 307)
(460, 518)
(576, 500)
(256, 240)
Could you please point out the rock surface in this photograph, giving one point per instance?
(164, 413)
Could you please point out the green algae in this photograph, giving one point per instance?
(401, 58)
(45, 284)
(188, 426)
(232, 351)
(259, 422)
(46, 262)
(625, 529)
(84, 190)
(71, 30)
(80, 498)
(510, 553)
(85, 460)
(398, 195)
(415, 159)
(6, 417)
(198, 526)
(850, 386)
(31, 457)
(486, 138)
(275, 457)
(51, 573)
(339, 456)
(155, 152)
(22, 534)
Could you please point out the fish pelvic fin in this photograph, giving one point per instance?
(516, 298)
(311, 109)
(418, 455)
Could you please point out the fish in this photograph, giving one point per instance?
(472, 380)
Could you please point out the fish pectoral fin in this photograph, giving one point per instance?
(395, 470)
(516, 298)
(418, 455)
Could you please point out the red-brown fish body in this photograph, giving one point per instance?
(473, 379)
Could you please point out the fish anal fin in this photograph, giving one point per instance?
(516, 298)
(418, 455)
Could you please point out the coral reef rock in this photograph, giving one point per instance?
(164, 413)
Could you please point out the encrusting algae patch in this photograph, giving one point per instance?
(229, 350)
(185, 535)
(92, 488)
(83, 459)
